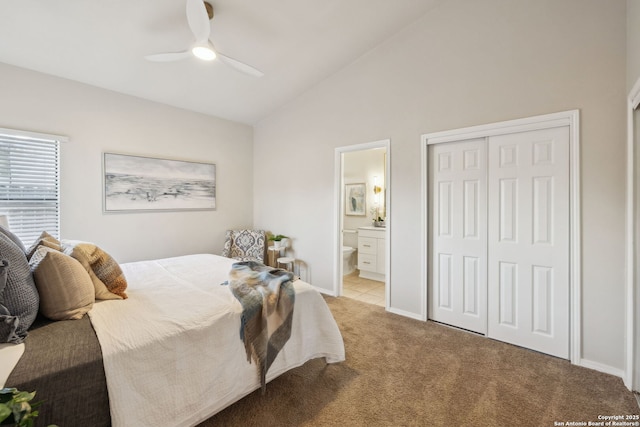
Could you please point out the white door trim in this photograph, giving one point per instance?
(631, 377)
(338, 197)
(564, 118)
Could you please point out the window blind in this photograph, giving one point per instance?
(30, 183)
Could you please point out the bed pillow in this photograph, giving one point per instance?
(13, 238)
(65, 288)
(8, 323)
(107, 276)
(45, 239)
(20, 295)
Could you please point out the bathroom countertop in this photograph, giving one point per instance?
(371, 228)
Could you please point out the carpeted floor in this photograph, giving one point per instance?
(403, 372)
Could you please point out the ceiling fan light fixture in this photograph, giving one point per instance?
(204, 52)
(199, 13)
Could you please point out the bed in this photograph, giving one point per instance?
(168, 355)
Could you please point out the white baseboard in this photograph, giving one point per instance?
(406, 314)
(329, 292)
(596, 366)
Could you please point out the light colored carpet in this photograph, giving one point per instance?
(403, 372)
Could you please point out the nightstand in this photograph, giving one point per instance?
(288, 262)
(273, 254)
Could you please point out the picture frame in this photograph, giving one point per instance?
(137, 183)
(355, 202)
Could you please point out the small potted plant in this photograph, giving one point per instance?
(279, 241)
(15, 409)
(378, 221)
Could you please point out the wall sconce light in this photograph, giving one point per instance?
(376, 189)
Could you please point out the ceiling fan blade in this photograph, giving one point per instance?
(198, 20)
(240, 66)
(168, 56)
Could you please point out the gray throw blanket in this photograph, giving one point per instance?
(267, 297)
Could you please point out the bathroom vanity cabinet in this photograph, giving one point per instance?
(371, 253)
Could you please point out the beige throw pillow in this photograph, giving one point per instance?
(45, 239)
(107, 276)
(65, 288)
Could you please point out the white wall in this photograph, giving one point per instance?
(96, 121)
(633, 42)
(464, 63)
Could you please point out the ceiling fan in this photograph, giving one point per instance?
(199, 13)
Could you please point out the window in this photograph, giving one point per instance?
(30, 183)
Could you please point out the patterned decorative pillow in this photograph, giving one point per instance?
(45, 239)
(107, 276)
(20, 295)
(245, 245)
(65, 288)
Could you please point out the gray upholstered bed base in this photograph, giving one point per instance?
(62, 362)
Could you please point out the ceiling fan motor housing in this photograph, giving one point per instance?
(209, 9)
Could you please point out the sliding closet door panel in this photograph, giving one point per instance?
(458, 289)
(528, 243)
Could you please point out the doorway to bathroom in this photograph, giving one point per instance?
(362, 243)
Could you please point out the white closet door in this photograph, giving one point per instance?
(528, 250)
(458, 288)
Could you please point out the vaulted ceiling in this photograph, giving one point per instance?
(295, 43)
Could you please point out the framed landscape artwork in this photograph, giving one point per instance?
(135, 183)
(355, 200)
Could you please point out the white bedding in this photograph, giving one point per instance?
(172, 351)
(10, 354)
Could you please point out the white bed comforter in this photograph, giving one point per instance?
(172, 350)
